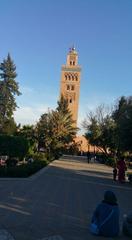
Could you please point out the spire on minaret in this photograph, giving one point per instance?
(72, 49)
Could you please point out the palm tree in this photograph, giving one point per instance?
(55, 129)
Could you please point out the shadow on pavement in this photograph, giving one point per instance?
(93, 176)
(59, 202)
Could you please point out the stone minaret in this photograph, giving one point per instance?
(70, 82)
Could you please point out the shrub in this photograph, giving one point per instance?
(11, 162)
(13, 146)
(110, 161)
(100, 157)
(56, 155)
(39, 156)
(24, 170)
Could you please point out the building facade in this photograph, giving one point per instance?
(70, 82)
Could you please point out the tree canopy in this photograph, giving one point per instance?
(111, 131)
(8, 90)
(99, 127)
(122, 116)
(55, 129)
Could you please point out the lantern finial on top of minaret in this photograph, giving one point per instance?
(72, 49)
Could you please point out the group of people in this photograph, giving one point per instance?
(119, 170)
(105, 220)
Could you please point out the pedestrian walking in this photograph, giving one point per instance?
(88, 157)
(114, 173)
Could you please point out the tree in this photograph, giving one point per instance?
(28, 132)
(13, 146)
(65, 122)
(55, 129)
(112, 132)
(47, 139)
(122, 116)
(100, 129)
(8, 90)
(63, 106)
(9, 126)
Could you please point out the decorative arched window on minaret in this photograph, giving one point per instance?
(70, 82)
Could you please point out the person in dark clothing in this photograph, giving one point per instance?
(88, 156)
(114, 173)
(105, 220)
(121, 165)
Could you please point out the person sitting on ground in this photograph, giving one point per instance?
(105, 220)
(127, 225)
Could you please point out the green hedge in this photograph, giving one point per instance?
(13, 146)
(39, 156)
(24, 170)
(110, 162)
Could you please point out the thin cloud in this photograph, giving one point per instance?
(29, 115)
(27, 90)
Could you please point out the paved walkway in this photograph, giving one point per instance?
(57, 203)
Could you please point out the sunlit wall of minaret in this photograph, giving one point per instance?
(70, 82)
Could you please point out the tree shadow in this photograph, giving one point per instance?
(90, 175)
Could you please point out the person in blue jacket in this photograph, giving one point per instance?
(106, 216)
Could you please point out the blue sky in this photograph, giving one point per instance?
(38, 34)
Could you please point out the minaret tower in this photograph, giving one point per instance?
(70, 82)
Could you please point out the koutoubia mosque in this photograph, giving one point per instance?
(70, 82)
(70, 89)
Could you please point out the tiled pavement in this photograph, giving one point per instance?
(57, 203)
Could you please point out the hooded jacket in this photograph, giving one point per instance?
(106, 216)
